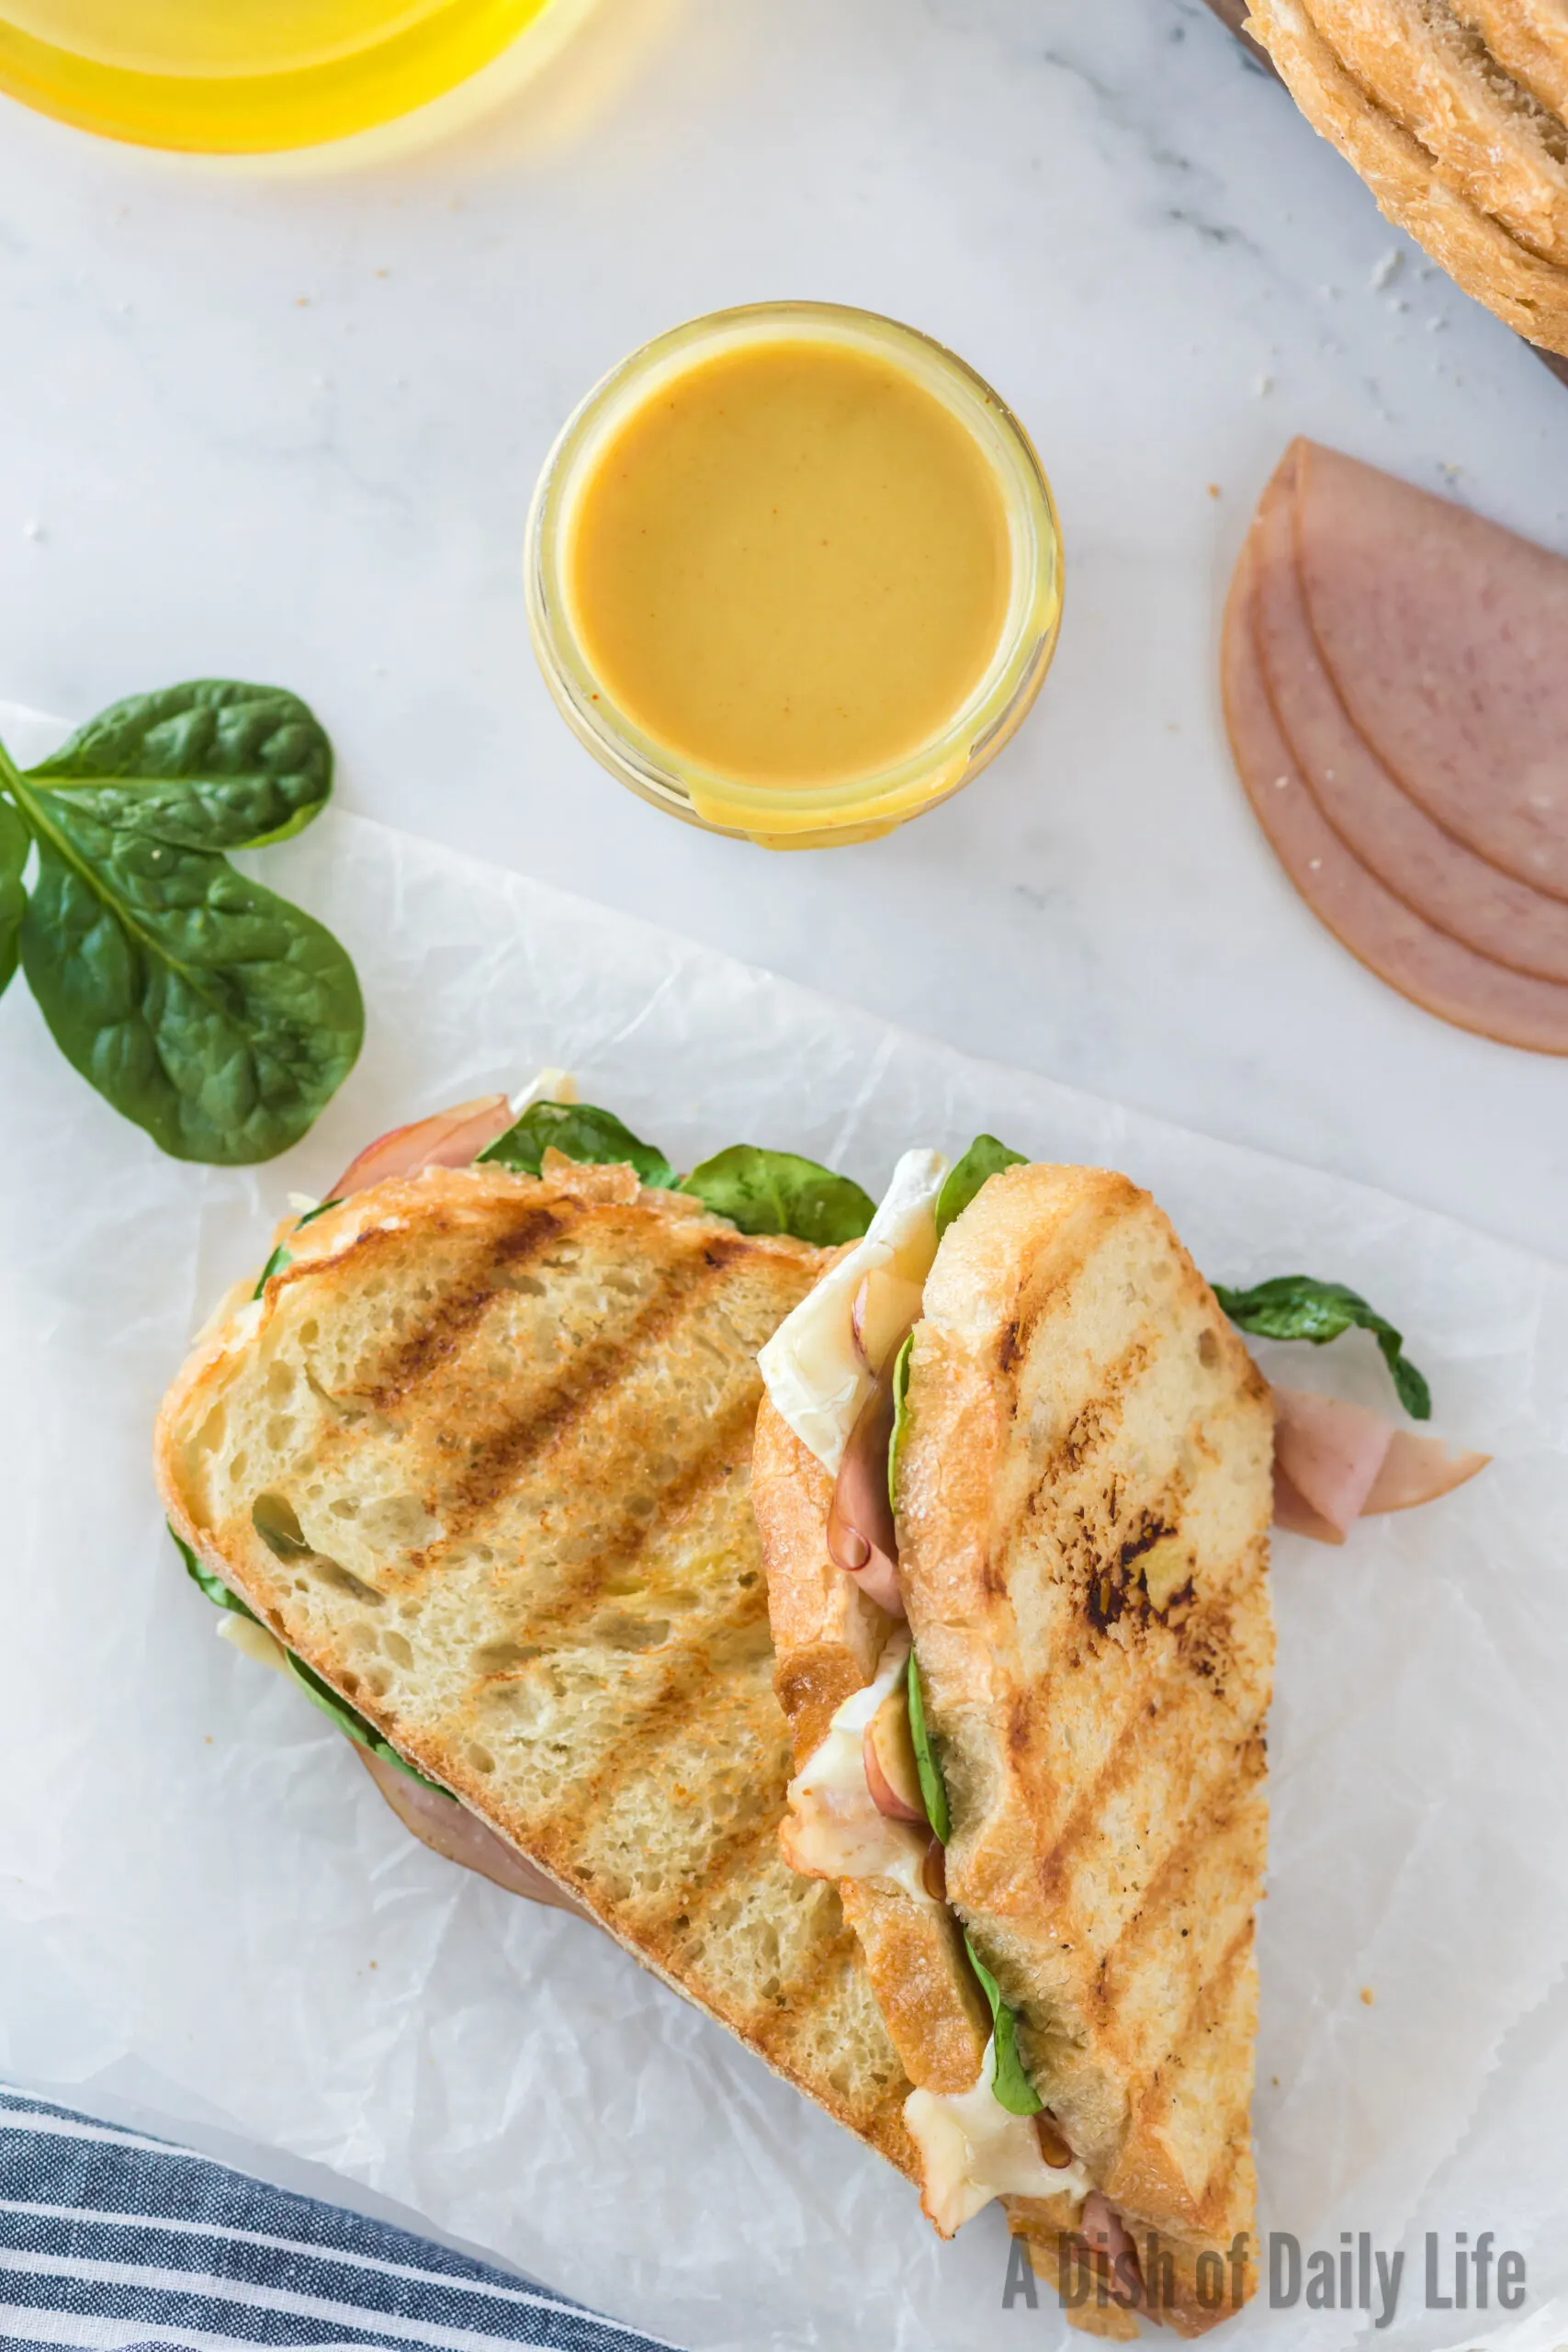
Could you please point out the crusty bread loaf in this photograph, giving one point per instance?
(1529, 293)
(1529, 40)
(1489, 139)
(1084, 1491)
(481, 1455)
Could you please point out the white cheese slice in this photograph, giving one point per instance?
(972, 2149)
(245, 1635)
(833, 1829)
(549, 1085)
(816, 1377)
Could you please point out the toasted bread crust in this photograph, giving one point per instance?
(1489, 139)
(1527, 292)
(481, 1456)
(1530, 38)
(826, 1639)
(826, 1634)
(1085, 1493)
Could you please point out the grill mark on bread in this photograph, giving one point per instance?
(456, 1314)
(1089, 1430)
(1218, 1807)
(628, 1536)
(1211, 2001)
(1125, 1762)
(496, 1461)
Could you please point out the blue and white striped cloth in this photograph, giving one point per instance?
(121, 2242)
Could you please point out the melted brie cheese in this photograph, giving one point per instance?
(972, 2149)
(245, 1635)
(814, 1374)
(833, 1829)
(550, 1085)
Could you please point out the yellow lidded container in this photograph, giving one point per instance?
(794, 573)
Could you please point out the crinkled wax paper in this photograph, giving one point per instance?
(196, 1876)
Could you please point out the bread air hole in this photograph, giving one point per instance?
(276, 1521)
(495, 1657)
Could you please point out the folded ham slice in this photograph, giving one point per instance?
(1448, 638)
(1336, 1462)
(1434, 872)
(450, 1829)
(1411, 954)
(452, 1138)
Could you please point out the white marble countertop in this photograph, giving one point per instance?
(283, 423)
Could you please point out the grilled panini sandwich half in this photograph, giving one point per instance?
(1048, 1822)
(476, 1456)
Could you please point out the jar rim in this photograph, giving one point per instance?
(879, 799)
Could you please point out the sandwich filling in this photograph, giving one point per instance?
(869, 1802)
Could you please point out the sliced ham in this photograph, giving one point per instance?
(1102, 2229)
(1448, 638)
(452, 1138)
(1328, 1452)
(1411, 954)
(1418, 1470)
(1336, 1462)
(450, 1829)
(1434, 872)
(861, 1538)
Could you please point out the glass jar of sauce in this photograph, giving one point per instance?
(794, 573)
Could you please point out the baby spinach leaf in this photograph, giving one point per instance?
(321, 1694)
(218, 1017)
(354, 1725)
(900, 1418)
(1011, 2085)
(213, 765)
(981, 1162)
(14, 843)
(1298, 1306)
(777, 1191)
(933, 1788)
(583, 1132)
(215, 1588)
(282, 1255)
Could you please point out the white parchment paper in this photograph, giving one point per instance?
(196, 1878)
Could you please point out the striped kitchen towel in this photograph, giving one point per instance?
(122, 2243)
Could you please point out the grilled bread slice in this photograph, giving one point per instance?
(480, 1456)
(1084, 1491)
(1528, 292)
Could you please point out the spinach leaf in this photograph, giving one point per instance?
(777, 1191)
(1011, 2085)
(354, 1725)
(1297, 1306)
(933, 1788)
(282, 1255)
(900, 1418)
(583, 1132)
(215, 1588)
(208, 766)
(14, 843)
(218, 1017)
(981, 1161)
(321, 1694)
